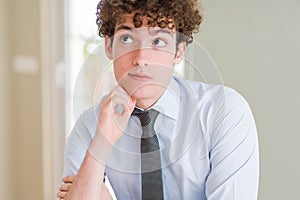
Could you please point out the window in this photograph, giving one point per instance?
(81, 42)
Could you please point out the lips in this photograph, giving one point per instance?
(140, 76)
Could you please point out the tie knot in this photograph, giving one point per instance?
(147, 117)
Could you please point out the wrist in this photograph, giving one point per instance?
(100, 148)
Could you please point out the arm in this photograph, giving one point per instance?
(88, 181)
(234, 152)
(67, 184)
(65, 187)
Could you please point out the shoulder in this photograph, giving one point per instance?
(214, 103)
(85, 126)
(211, 94)
(90, 116)
(216, 93)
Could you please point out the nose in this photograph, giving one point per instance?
(141, 58)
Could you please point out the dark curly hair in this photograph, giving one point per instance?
(185, 15)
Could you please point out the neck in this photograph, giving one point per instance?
(144, 104)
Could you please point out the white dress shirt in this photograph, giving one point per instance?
(208, 142)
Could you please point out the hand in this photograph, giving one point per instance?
(65, 187)
(67, 184)
(111, 123)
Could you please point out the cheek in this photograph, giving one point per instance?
(164, 58)
(119, 71)
(121, 66)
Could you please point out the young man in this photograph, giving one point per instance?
(157, 136)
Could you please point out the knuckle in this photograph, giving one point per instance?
(59, 194)
(68, 179)
(65, 178)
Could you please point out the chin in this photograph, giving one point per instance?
(144, 93)
(148, 95)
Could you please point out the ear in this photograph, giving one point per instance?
(181, 49)
(108, 47)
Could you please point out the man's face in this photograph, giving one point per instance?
(143, 58)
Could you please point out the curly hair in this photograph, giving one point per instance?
(184, 15)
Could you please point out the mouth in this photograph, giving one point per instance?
(140, 76)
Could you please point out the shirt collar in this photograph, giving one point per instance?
(168, 103)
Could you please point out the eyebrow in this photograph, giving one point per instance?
(154, 32)
(123, 27)
(162, 30)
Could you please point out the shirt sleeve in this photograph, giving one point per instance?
(77, 145)
(234, 155)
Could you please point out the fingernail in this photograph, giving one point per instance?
(119, 109)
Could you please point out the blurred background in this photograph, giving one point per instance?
(43, 43)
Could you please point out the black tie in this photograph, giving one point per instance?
(152, 185)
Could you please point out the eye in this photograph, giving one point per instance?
(126, 39)
(159, 42)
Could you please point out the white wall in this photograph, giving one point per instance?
(5, 128)
(256, 45)
(20, 103)
(26, 100)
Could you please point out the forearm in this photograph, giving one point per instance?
(110, 126)
(87, 184)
